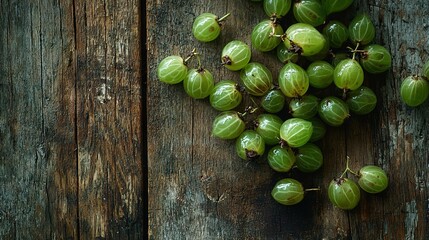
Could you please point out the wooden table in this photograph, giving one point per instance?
(93, 146)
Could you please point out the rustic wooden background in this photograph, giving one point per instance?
(93, 146)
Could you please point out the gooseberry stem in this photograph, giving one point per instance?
(355, 50)
(312, 189)
(224, 17)
(348, 169)
(191, 55)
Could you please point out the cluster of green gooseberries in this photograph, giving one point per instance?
(415, 88)
(318, 53)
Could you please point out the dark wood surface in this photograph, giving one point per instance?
(93, 146)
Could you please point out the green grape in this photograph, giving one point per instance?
(206, 27)
(198, 83)
(305, 39)
(338, 57)
(235, 55)
(309, 158)
(296, 132)
(344, 193)
(285, 55)
(277, 8)
(225, 95)
(249, 145)
(268, 126)
(373, 179)
(319, 129)
(414, 90)
(361, 30)
(293, 80)
(332, 6)
(172, 70)
(273, 101)
(320, 74)
(426, 70)
(336, 33)
(309, 11)
(361, 101)
(375, 59)
(256, 78)
(228, 125)
(348, 75)
(333, 111)
(305, 107)
(288, 191)
(281, 159)
(264, 35)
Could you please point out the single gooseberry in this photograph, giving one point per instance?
(268, 126)
(288, 191)
(372, 179)
(235, 55)
(361, 30)
(375, 59)
(256, 78)
(225, 95)
(207, 26)
(336, 32)
(320, 74)
(277, 8)
(172, 70)
(249, 145)
(309, 158)
(264, 35)
(333, 111)
(296, 132)
(304, 107)
(304, 39)
(228, 125)
(273, 101)
(344, 193)
(309, 11)
(414, 90)
(348, 75)
(281, 159)
(198, 83)
(293, 80)
(361, 101)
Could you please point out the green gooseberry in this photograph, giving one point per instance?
(293, 80)
(225, 95)
(305, 39)
(284, 55)
(361, 101)
(256, 78)
(344, 193)
(333, 111)
(277, 8)
(288, 191)
(281, 159)
(249, 145)
(348, 74)
(309, 158)
(268, 126)
(425, 71)
(332, 6)
(322, 54)
(309, 11)
(264, 35)
(304, 107)
(296, 132)
(228, 125)
(172, 70)
(235, 55)
(320, 74)
(319, 129)
(273, 101)
(375, 59)
(336, 33)
(361, 30)
(207, 26)
(414, 90)
(372, 179)
(198, 83)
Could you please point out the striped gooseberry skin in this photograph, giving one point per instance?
(281, 159)
(277, 8)
(306, 38)
(249, 145)
(225, 95)
(309, 158)
(268, 126)
(348, 74)
(172, 70)
(288, 191)
(256, 78)
(274, 101)
(336, 32)
(235, 55)
(333, 111)
(206, 27)
(344, 193)
(332, 6)
(198, 83)
(375, 59)
(305, 107)
(293, 80)
(414, 90)
(361, 101)
(322, 54)
(284, 55)
(296, 132)
(319, 129)
(373, 179)
(361, 29)
(262, 35)
(309, 11)
(320, 74)
(228, 125)
(425, 71)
